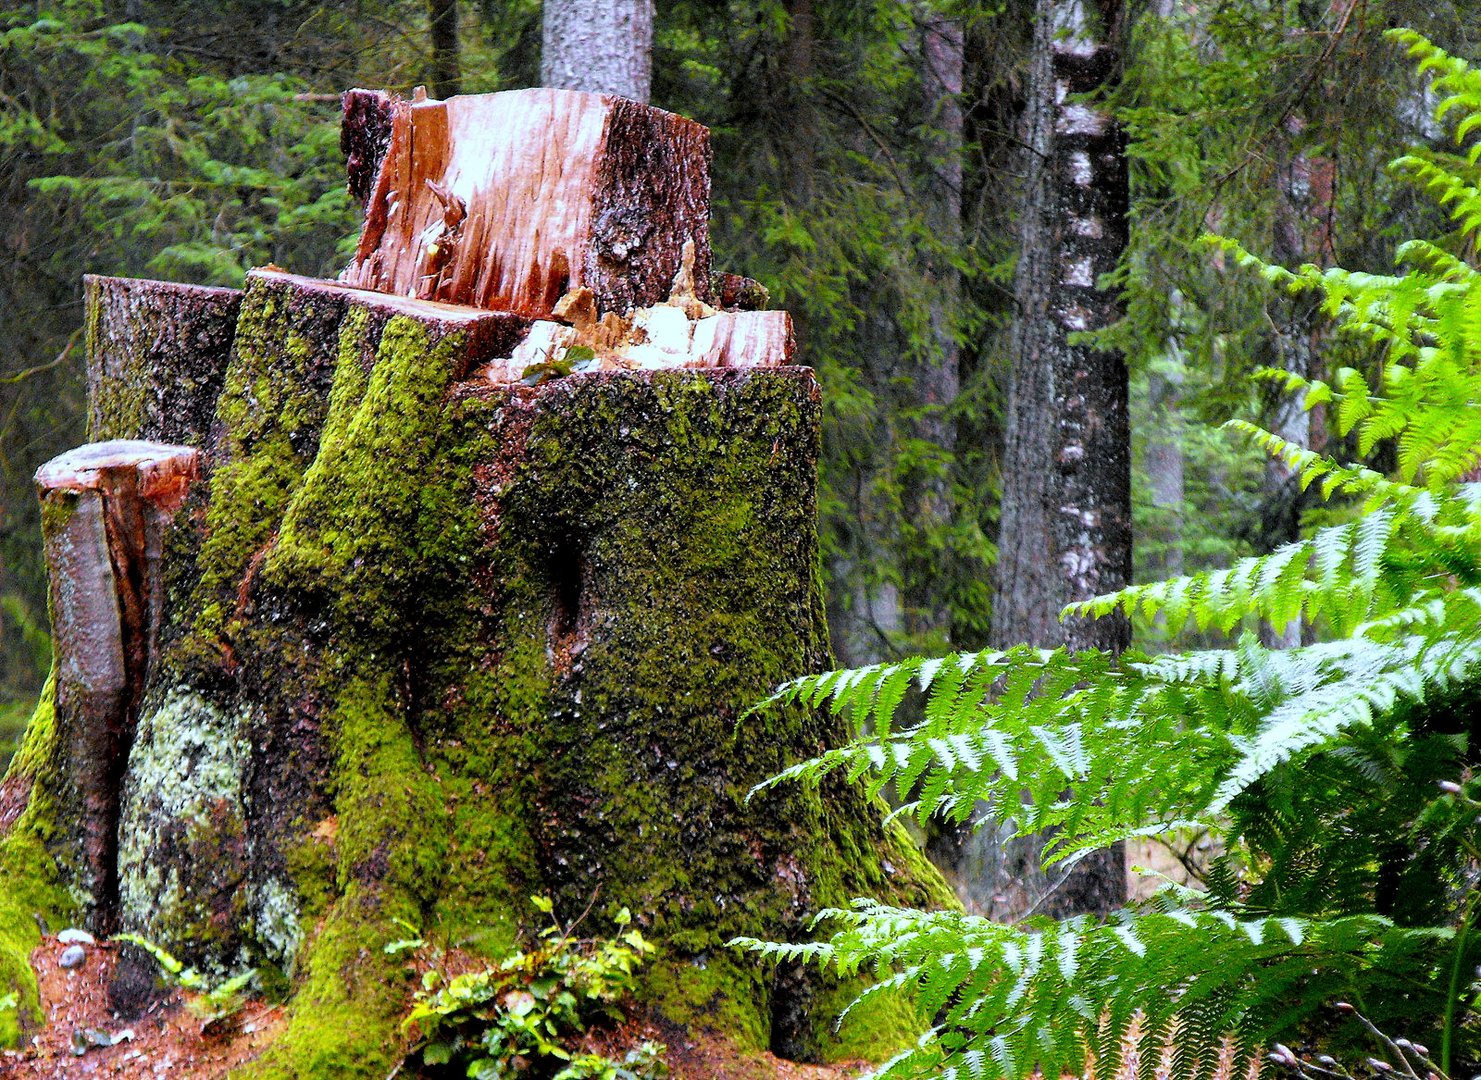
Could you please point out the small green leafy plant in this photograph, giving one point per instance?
(518, 1017)
(211, 1003)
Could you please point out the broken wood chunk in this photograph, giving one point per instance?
(739, 339)
(156, 357)
(105, 509)
(509, 201)
(652, 339)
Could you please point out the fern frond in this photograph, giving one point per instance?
(1337, 776)
(1048, 995)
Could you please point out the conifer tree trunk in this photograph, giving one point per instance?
(1066, 511)
(938, 380)
(599, 45)
(908, 539)
(1304, 205)
(442, 27)
(1165, 465)
(1164, 436)
(1164, 448)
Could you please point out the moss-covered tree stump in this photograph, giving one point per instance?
(428, 641)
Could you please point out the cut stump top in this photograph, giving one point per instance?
(162, 472)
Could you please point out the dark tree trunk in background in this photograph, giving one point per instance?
(920, 382)
(1164, 449)
(1165, 459)
(938, 380)
(1165, 468)
(601, 45)
(1305, 190)
(442, 26)
(1066, 512)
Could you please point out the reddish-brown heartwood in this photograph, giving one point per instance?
(108, 505)
(511, 200)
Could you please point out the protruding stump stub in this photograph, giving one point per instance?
(105, 507)
(509, 201)
(156, 357)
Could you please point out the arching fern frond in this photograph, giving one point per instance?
(1062, 994)
(1009, 733)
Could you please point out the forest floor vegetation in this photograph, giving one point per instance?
(171, 1040)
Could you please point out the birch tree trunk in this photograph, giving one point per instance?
(604, 46)
(1066, 512)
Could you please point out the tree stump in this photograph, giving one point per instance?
(437, 635)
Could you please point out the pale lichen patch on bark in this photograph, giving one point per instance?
(182, 859)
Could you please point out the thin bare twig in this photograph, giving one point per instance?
(22, 376)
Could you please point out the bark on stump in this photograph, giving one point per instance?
(434, 641)
(157, 353)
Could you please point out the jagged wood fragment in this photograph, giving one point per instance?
(733, 292)
(655, 338)
(105, 509)
(508, 201)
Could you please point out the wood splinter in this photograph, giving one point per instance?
(105, 508)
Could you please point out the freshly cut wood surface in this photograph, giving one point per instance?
(509, 201)
(157, 472)
(743, 339)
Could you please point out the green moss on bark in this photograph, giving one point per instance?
(570, 593)
(272, 410)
